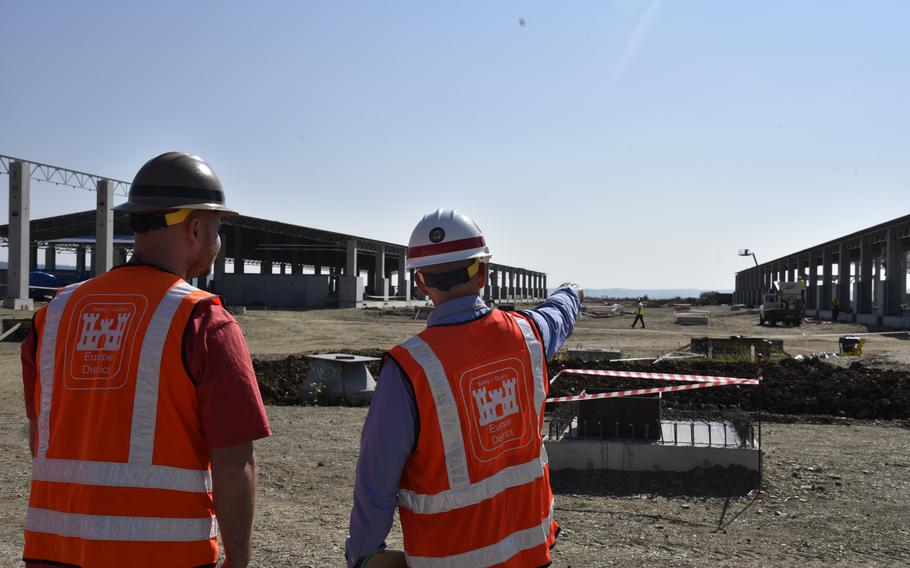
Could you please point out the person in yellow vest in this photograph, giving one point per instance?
(141, 397)
(453, 436)
(835, 309)
(639, 314)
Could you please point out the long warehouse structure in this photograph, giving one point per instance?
(262, 262)
(865, 271)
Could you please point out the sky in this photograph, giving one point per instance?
(615, 143)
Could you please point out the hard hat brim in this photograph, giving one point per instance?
(160, 207)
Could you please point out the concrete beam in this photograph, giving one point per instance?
(19, 237)
(103, 257)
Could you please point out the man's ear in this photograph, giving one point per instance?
(482, 276)
(194, 228)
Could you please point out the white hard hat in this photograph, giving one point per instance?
(446, 235)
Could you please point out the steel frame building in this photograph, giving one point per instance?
(865, 271)
(336, 260)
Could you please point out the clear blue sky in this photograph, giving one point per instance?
(616, 143)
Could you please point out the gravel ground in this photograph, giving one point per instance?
(834, 495)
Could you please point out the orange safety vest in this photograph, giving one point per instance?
(121, 475)
(475, 490)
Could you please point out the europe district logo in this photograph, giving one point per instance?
(103, 332)
(499, 407)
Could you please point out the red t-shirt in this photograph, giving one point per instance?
(218, 361)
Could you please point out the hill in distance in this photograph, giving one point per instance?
(652, 293)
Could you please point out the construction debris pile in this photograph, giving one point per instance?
(788, 388)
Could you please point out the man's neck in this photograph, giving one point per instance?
(161, 264)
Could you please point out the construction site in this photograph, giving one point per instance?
(704, 439)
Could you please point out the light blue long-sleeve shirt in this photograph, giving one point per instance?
(390, 431)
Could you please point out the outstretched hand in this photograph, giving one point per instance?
(578, 289)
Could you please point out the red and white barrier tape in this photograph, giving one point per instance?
(654, 376)
(695, 382)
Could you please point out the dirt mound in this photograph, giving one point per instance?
(789, 388)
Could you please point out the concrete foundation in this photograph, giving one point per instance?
(631, 455)
(350, 291)
(338, 376)
(275, 290)
(896, 321)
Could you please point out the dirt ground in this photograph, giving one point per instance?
(834, 495)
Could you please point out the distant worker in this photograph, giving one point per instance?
(835, 309)
(639, 314)
(453, 436)
(141, 397)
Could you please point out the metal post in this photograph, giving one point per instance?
(19, 237)
(103, 257)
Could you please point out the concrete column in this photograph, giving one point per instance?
(317, 269)
(494, 284)
(350, 265)
(895, 274)
(545, 292)
(218, 269)
(379, 272)
(864, 290)
(19, 237)
(33, 257)
(284, 268)
(826, 296)
(487, 294)
(50, 258)
(120, 256)
(239, 266)
(80, 259)
(265, 267)
(103, 259)
(843, 277)
(297, 268)
(404, 289)
(812, 284)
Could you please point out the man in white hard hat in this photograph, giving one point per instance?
(453, 436)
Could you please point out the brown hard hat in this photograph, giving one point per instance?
(175, 180)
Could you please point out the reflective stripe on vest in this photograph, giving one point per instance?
(493, 554)
(108, 527)
(461, 492)
(138, 472)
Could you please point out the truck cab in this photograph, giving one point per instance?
(784, 305)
